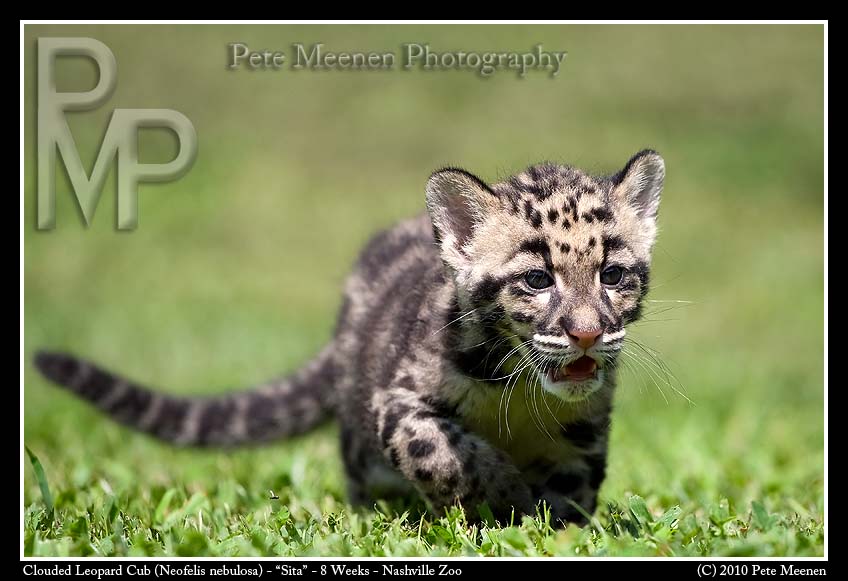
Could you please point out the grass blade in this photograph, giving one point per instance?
(640, 510)
(162, 507)
(42, 481)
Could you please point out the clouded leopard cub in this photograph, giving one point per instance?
(475, 354)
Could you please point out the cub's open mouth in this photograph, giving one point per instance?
(580, 369)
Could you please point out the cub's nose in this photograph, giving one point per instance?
(584, 338)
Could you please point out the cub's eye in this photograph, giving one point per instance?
(611, 275)
(538, 279)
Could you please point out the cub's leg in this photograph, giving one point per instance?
(369, 475)
(577, 481)
(446, 463)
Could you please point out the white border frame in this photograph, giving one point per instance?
(116, 560)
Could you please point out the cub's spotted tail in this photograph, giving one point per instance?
(280, 408)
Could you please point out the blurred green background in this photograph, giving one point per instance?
(234, 273)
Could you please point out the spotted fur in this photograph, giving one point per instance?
(449, 374)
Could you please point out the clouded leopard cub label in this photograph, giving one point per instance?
(475, 354)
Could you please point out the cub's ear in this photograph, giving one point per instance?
(640, 183)
(457, 202)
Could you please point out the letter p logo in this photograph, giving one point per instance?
(121, 137)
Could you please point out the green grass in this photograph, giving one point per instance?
(234, 275)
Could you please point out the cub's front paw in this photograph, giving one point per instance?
(506, 495)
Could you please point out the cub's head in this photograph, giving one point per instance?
(552, 260)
